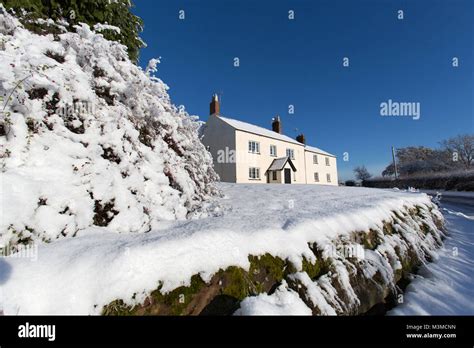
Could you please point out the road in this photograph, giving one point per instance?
(461, 200)
(446, 286)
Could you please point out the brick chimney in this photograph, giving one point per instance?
(214, 106)
(276, 125)
(301, 139)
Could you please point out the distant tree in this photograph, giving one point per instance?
(461, 148)
(116, 13)
(361, 173)
(350, 183)
(413, 160)
(389, 170)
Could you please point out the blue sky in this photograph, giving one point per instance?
(299, 62)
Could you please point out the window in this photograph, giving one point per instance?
(254, 147)
(328, 177)
(315, 159)
(273, 150)
(290, 153)
(316, 177)
(254, 173)
(274, 175)
(327, 161)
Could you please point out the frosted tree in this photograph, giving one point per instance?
(115, 13)
(89, 138)
(361, 173)
(461, 149)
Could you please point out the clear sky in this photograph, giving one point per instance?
(300, 62)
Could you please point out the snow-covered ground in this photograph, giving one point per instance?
(446, 286)
(82, 274)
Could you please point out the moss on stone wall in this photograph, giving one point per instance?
(317, 268)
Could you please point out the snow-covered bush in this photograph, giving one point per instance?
(114, 19)
(88, 138)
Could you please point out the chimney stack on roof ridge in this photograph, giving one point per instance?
(214, 105)
(276, 125)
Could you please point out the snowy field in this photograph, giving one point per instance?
(446, 286)
(82, 274)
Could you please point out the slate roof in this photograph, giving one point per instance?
(250, 128)
(247, 127)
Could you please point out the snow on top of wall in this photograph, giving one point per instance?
(80, 275)
(88, 138)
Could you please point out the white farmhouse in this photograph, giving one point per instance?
(245, 153)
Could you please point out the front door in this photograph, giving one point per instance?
(287, 176)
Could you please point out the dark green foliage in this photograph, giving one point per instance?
(104, 212)
(116, 13)
(179, 298)
(273, 266)
(316, 269)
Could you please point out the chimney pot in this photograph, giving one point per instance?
(276, 125)
(301, 139)
(214, 105)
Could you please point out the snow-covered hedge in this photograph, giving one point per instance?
(450, 181)
(88, 138)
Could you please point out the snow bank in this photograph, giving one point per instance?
(283, 301)
(88, 138)
(446, 286)
(80, 275)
